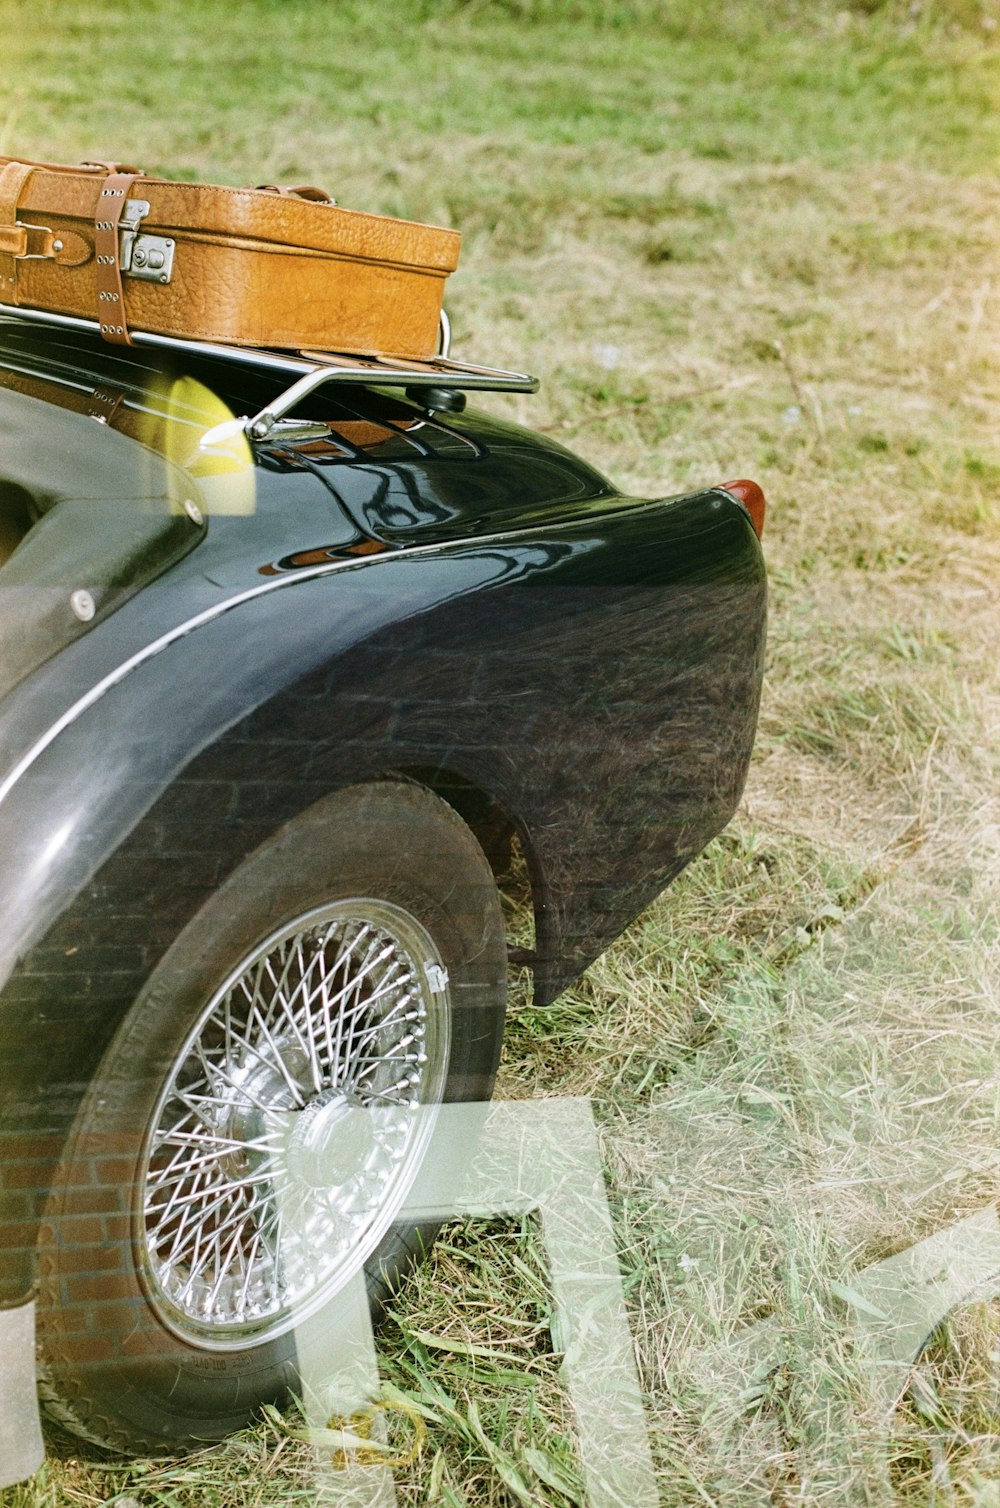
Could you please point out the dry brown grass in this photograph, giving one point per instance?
(793, 1054)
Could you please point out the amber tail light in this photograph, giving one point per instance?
(753, 499)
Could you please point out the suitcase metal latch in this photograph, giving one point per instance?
(150, 258)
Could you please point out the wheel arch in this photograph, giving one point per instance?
(499, 831)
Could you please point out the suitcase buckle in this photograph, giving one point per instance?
(27, 255)
(149, 258)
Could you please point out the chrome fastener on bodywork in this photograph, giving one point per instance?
(283, 430)
(83, 605)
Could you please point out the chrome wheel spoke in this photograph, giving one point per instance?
(283, 1142)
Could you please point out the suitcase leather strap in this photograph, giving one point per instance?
(15, 239)
(21, 240)
(111, 315)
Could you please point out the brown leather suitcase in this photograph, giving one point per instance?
(239, 266)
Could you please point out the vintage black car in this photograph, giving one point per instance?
(294, 651)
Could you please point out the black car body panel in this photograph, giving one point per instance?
(454, 601)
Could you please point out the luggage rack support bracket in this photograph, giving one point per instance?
(455, 379)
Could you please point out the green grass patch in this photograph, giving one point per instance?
(733, 240)
(245, 86)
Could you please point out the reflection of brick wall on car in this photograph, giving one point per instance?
(90, 1299)
(612, 720)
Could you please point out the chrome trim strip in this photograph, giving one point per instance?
(309, 573)
(150, 651)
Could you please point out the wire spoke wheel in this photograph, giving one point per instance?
(246, 1146)
(287, 1133)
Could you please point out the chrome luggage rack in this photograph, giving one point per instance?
(438, 382)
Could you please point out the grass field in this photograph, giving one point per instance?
(734, 241)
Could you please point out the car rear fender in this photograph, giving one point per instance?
(598, 684)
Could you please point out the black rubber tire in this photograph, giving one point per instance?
(110, 1370)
